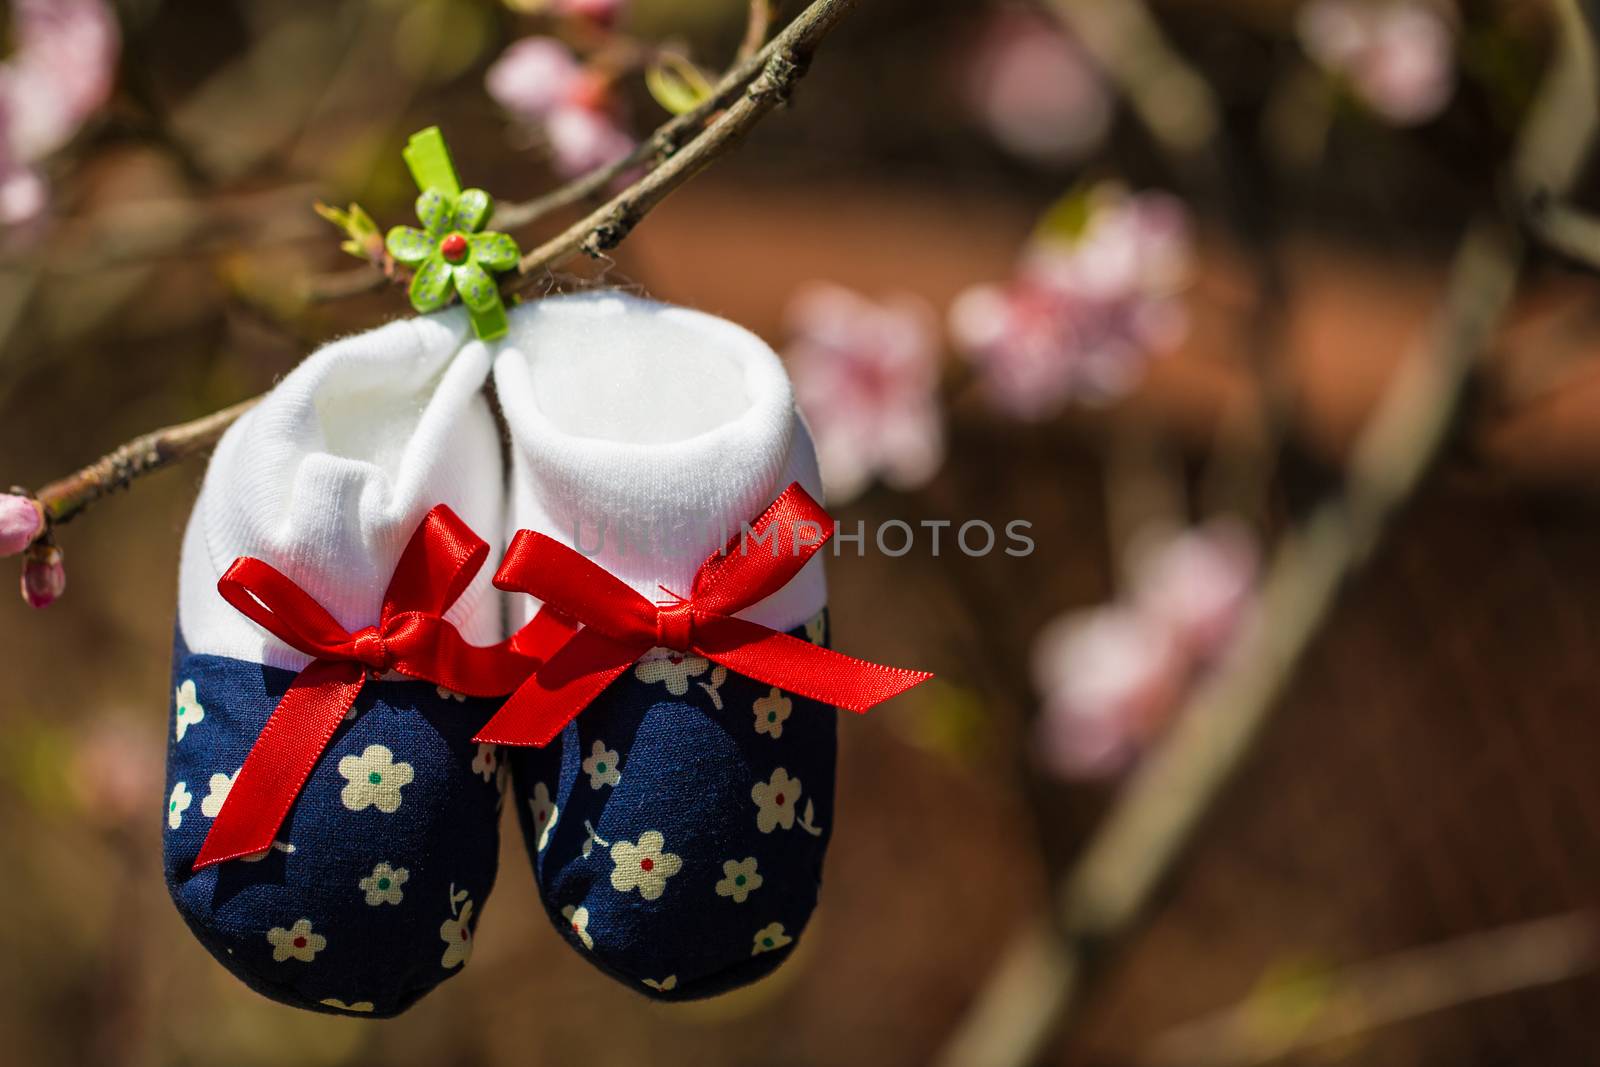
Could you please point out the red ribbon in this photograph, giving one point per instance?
(619, 625)
(411, 637)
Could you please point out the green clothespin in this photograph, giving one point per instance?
(452, 252)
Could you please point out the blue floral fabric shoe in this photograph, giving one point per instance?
(677, 833)
(368, 893)
(370, 896)
(678, 826)
(676, 808)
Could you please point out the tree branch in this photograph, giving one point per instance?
(803, 33)
(781, 65)
(750, 90)
(62, 500)
(1360, 998)
(1173, 102)
(1155, 818)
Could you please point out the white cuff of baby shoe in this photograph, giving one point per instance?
(331, 474)
(645, 435)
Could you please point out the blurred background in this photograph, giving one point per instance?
(1139, 276)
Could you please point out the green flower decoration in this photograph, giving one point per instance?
(452, 252)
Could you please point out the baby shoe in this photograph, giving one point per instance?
(678, 824)
(358, 891)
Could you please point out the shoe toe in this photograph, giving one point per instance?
(371, 893)
(678, 826)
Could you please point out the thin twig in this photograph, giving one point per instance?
(1174, 102)
(785, 62)
(661, 145)
(1573, 232)
(757, 26)
(1155, 817)
(1356, 1000)
(63, 500)
(345, 283)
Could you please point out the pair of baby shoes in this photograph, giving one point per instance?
(344, 662)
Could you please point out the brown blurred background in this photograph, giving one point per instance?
(1429, 775)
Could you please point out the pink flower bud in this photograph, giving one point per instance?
(21, 523)
(43, 577)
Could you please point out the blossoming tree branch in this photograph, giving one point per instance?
(1162, 687)
(711, 120)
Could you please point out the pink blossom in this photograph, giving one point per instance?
(1085, 311)
(541, 82)
(581, 140)
(866, 375)
(1110, 676)
(1398, 56)
(59, 74)
(21, 523)
(44, 578)
(533, 76)
(1199, 583)
(1034, 88)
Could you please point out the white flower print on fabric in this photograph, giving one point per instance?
(456, 931)
(359, 1006)
(578, 919)
(675, 670)
(221, 785)
(817, 628)
(374, 780)
(666, 985)
(487, 762)
(645, 866)
(544, 812)
(382, 886)
(739, 879)
(768, 938)
(189, 710)
(775, 805)
(177, 804)
(592, 839)
(775, 801)
(771, 711)
(450, 694)
(719, 674)
(296, 943)
(601, 766)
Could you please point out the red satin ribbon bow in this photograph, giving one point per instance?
(411, 637)
(619, 625)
